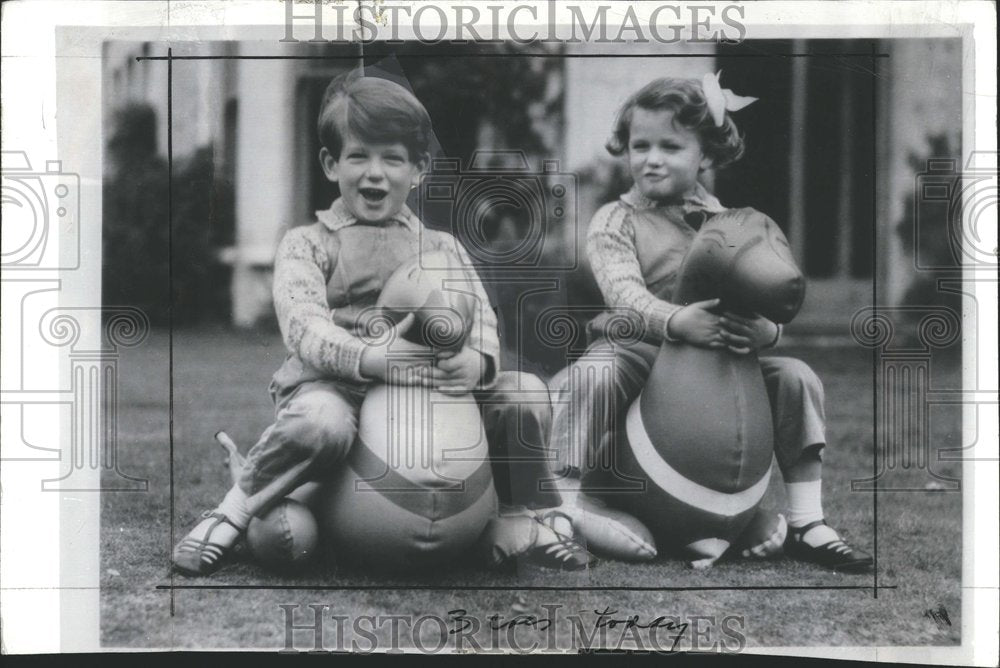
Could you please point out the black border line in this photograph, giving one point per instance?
(172, 587)
(170, 294)
(872, 54)
(875, 355)
(505, 588)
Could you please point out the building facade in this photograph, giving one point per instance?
(834, 146)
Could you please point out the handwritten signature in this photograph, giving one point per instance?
(606, 619)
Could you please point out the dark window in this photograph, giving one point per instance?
(835, 142)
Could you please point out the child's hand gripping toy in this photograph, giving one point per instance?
(417, 488)
(700, 435)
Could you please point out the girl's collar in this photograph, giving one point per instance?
(697, 200)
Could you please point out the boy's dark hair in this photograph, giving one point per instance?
(684, 97)
(374, 110)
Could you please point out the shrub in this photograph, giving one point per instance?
(143, 256)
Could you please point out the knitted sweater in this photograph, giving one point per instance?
(327, 273)
(636, 246)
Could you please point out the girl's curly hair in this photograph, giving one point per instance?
(685, 97)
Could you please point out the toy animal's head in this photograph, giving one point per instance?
(741, 257)
(434, 286)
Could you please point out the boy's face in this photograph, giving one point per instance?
(664, 159)
(374, 179)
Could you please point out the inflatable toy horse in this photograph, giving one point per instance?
(699, 438)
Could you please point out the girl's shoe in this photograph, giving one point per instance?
(836, 555)
(197, 557)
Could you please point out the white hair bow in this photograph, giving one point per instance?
(721, 99)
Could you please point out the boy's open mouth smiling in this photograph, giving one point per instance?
(373, 195)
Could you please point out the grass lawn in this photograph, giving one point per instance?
(220, 381)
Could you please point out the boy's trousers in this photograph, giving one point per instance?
(316, 423)
(612, 376)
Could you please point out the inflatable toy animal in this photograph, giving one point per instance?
(699, 438)
(417, 488)
(284, 537)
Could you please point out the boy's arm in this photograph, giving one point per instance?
(300, 270)
(483, 337)
(615, 263)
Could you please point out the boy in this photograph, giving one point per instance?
(375, 137)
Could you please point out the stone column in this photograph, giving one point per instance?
(265, 174)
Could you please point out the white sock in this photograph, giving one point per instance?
(569, 489)
(805, 505)
(234, 506)
(561, 525)
(552, 529)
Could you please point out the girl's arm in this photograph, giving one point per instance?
(613, 257)
(615, 263)
(300, 270)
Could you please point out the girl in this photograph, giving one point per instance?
(671, 131)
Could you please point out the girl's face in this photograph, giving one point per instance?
(664, 159)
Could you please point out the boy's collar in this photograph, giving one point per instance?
(337, 217)
(698, 200)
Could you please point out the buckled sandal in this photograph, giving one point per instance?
(565, 554)
(836, 555)
(199, 557)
